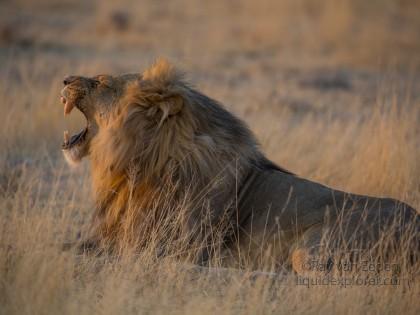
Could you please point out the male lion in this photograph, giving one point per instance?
(152, 133)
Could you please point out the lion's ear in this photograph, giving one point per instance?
(162, 88)
(164, 106)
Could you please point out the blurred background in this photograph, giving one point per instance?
(344, 32)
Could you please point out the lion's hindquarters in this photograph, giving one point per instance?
(387, 232)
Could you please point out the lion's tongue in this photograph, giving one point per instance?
(70, 141)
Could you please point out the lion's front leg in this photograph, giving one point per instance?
(87, 246)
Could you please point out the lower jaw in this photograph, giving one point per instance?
(75, 148)
(74, 155)
(71, 157)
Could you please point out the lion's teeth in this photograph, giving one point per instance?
(66, 136)
(68, 106)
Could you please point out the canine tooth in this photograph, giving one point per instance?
(63, 100)
(68, 107)
(66, 136)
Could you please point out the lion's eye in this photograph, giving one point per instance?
(94, 83)
(104, 81)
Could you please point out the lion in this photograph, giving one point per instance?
(151, 133)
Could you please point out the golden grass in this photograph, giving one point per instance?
(363, 141)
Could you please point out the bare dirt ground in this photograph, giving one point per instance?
(331, 88)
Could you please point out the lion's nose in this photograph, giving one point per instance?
(69, 79)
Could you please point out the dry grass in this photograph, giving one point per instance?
(303, 74)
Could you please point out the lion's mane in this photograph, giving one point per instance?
(164, 136)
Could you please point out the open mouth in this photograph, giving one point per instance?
(69, 142)
(77, 139)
